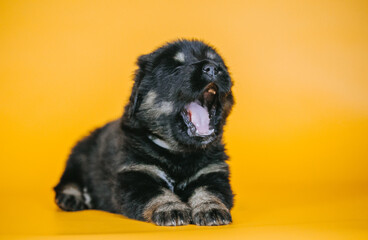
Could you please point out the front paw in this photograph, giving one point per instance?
(211, 214)
(171, 214)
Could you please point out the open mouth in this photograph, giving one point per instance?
(198, 115)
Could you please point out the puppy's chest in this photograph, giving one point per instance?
(178, 178)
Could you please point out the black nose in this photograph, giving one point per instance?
(210, 69)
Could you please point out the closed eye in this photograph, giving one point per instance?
(177, 69)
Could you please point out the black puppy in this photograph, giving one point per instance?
(164, 160)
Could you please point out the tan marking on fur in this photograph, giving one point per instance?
(162, 108)
(155, 110)
(72, 189)
(165, 108)
(151, 170)
(218, 167)
(206, 207)
(172, 206)
(210, 55)
(166, 201)
(202, 200)
(180, 57)
(212, 168)
(149, 100)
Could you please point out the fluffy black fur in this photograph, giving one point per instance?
(120, 169)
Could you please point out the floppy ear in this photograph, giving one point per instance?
(144, 61)
(144, 64)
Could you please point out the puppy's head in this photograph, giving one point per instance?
(182, 95)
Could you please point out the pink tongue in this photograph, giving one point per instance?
(200, 118)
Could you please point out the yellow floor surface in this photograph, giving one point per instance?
(271, 214)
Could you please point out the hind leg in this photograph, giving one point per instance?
(70, 198)
(71, 194)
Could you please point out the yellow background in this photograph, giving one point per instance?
(297, 137)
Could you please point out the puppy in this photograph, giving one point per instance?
(163, 161)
